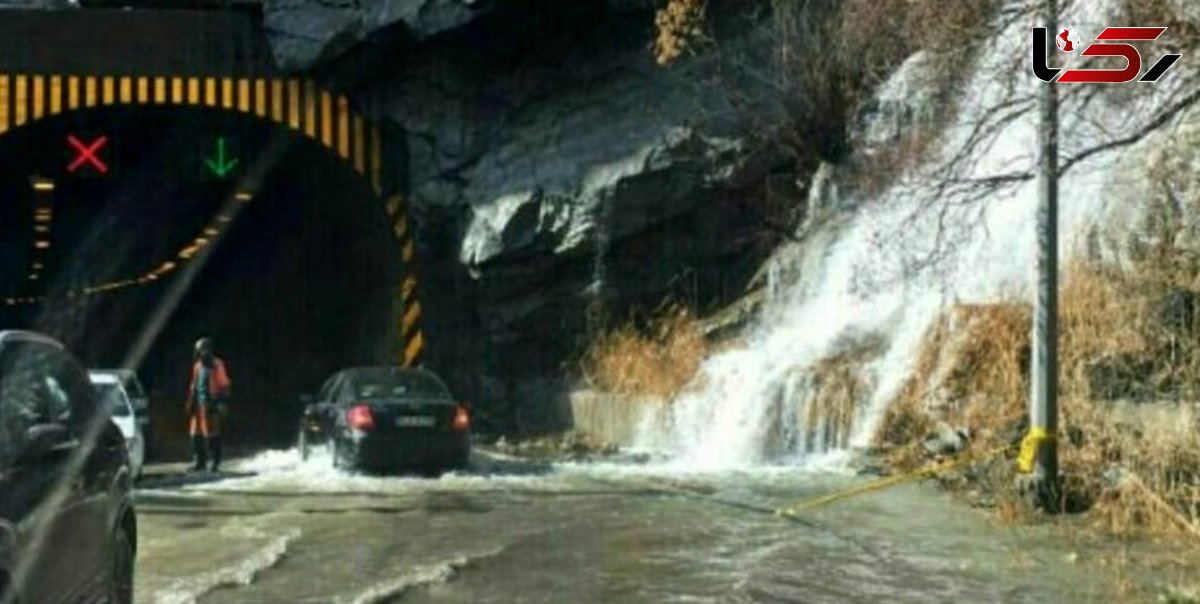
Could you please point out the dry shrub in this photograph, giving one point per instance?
(972, 371)
(679, 25)
(908, 420)
(894, 30)
(1101, 314)
(1182, 34)
(659, 359)
(989, 381)
(1123, 462)
(828, 56)
(1141, 475)
(885, 32)
(879, 32)
(948, 29)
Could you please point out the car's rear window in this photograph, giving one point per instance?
(396, 385)
(110, 397)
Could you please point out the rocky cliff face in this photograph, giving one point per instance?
(306, 32)
(559, 176)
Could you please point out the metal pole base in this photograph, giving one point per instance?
(1041, 493)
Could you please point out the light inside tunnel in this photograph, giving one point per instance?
(293, 274)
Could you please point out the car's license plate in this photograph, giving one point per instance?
(415, 421)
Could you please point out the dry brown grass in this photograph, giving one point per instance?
(908, 419)
(679, 25)
(970, 372)
(1141, 475)
(1135, 475)
(905, 423)
(1103, 312)
(659, 359)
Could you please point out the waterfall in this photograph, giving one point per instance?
(874, 279)
(601, 248)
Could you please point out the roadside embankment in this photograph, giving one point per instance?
(1129, 438)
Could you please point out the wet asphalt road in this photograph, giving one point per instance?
(276, 530)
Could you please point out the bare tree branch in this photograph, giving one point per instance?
(1150, 127)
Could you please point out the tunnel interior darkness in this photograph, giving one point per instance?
(297, 282)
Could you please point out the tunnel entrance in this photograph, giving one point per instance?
(216, 222)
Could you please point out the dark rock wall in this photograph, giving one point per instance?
(558, 176)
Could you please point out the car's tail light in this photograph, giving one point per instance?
(359, 417)
(462, 419)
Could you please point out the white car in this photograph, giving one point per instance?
(111, 392)
(137, 394)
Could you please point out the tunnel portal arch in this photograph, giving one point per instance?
(297, 106)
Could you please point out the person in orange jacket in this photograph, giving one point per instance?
(207, 405)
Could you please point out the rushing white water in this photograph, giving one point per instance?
(866, 276)
(394, 588)
(283, 470)
(240, 571)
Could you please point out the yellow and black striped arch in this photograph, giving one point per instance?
(299, 105)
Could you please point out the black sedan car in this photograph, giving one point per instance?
(67, 527)
(387, 418)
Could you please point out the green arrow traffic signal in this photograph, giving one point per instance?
(220, 165)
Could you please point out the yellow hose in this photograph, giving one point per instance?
(929, 471)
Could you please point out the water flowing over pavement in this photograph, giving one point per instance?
(510, 530)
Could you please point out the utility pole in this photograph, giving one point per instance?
(1043, 399)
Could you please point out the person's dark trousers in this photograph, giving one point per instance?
(199, 453)
(214, 452)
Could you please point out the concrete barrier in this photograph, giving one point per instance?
(612, 418)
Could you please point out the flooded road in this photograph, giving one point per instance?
(511, 530)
